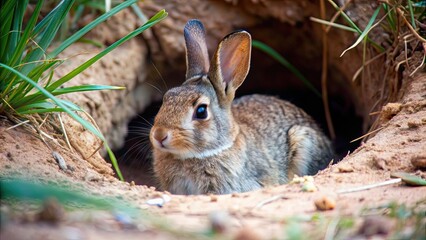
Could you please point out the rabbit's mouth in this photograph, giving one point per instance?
(187, 152)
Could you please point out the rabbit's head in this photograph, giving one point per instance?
(195, 119)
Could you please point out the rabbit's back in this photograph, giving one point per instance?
(284, 133)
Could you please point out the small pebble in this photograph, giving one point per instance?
(390, 110)
(376, 225)
(51, 212)
(419, 161)
(309, 187)
(247, 234)
(213, 198)
(72, 233)
(345, 168)
(235, 195)
(325, 203)
(219, 221)
(414, 123)
(160, 201)
(60, 160)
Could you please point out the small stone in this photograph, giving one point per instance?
(9, 156)
(213, 198)
(414, 123)
(60, 160)
(132, 183)
(309, 187)
(419, 161)
(390, 110)
(159, 201)
(325, 203)
(376, 225)
(247, 234)
(219, 221)
(380, 163)
(345, 168)
(297, 179)
(52, 211)
(91, 177)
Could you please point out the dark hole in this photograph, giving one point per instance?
(266, 76)
(135, 157)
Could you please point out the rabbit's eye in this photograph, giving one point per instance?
(201, 111)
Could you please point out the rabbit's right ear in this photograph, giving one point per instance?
(230, 65)
(197, 56)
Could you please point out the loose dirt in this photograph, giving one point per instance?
(264, 211)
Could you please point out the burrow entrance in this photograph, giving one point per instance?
(266, 76)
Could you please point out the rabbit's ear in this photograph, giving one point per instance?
(197, 56)
(231, 64)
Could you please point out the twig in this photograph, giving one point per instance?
(331, 229)
(269, 200)
(366, 187)
(421, 64)
(365, 135)
(324, 75)
(337, 14)
(367, 63)
(416, 34)
(65, 132)
(17, 125)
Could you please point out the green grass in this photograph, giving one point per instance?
(27, 64)
(275, 55)
(413, 10)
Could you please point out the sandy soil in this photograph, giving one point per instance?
(273, 212)
(402, 138)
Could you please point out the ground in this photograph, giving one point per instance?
(402, 138)
(274, 212)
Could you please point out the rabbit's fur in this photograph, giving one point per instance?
(241, 145)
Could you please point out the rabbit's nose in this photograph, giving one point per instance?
(160, 134)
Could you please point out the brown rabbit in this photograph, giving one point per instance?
(204, 142)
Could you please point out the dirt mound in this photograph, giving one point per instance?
(399, 139)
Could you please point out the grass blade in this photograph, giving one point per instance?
(365, 32)
(84, 123)
(354, 26)
(15, 31)
(89, 27)
(275, 55)
(20, 47)
(85, 88)
(36, 97)
(157, 18)
(48, 34)
(336, 25)
(6, 16)
(113, 161)
(410, 8)
(345, 16)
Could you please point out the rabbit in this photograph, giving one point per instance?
(204, 142)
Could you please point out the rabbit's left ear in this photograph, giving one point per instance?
(230, 64)
(197, 56)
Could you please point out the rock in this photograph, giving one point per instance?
(51, 212)
(390, 110)
(219, 221)
(325, 203)
(345, 168)
(247, 234)
(376, 225)
(419, 161)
